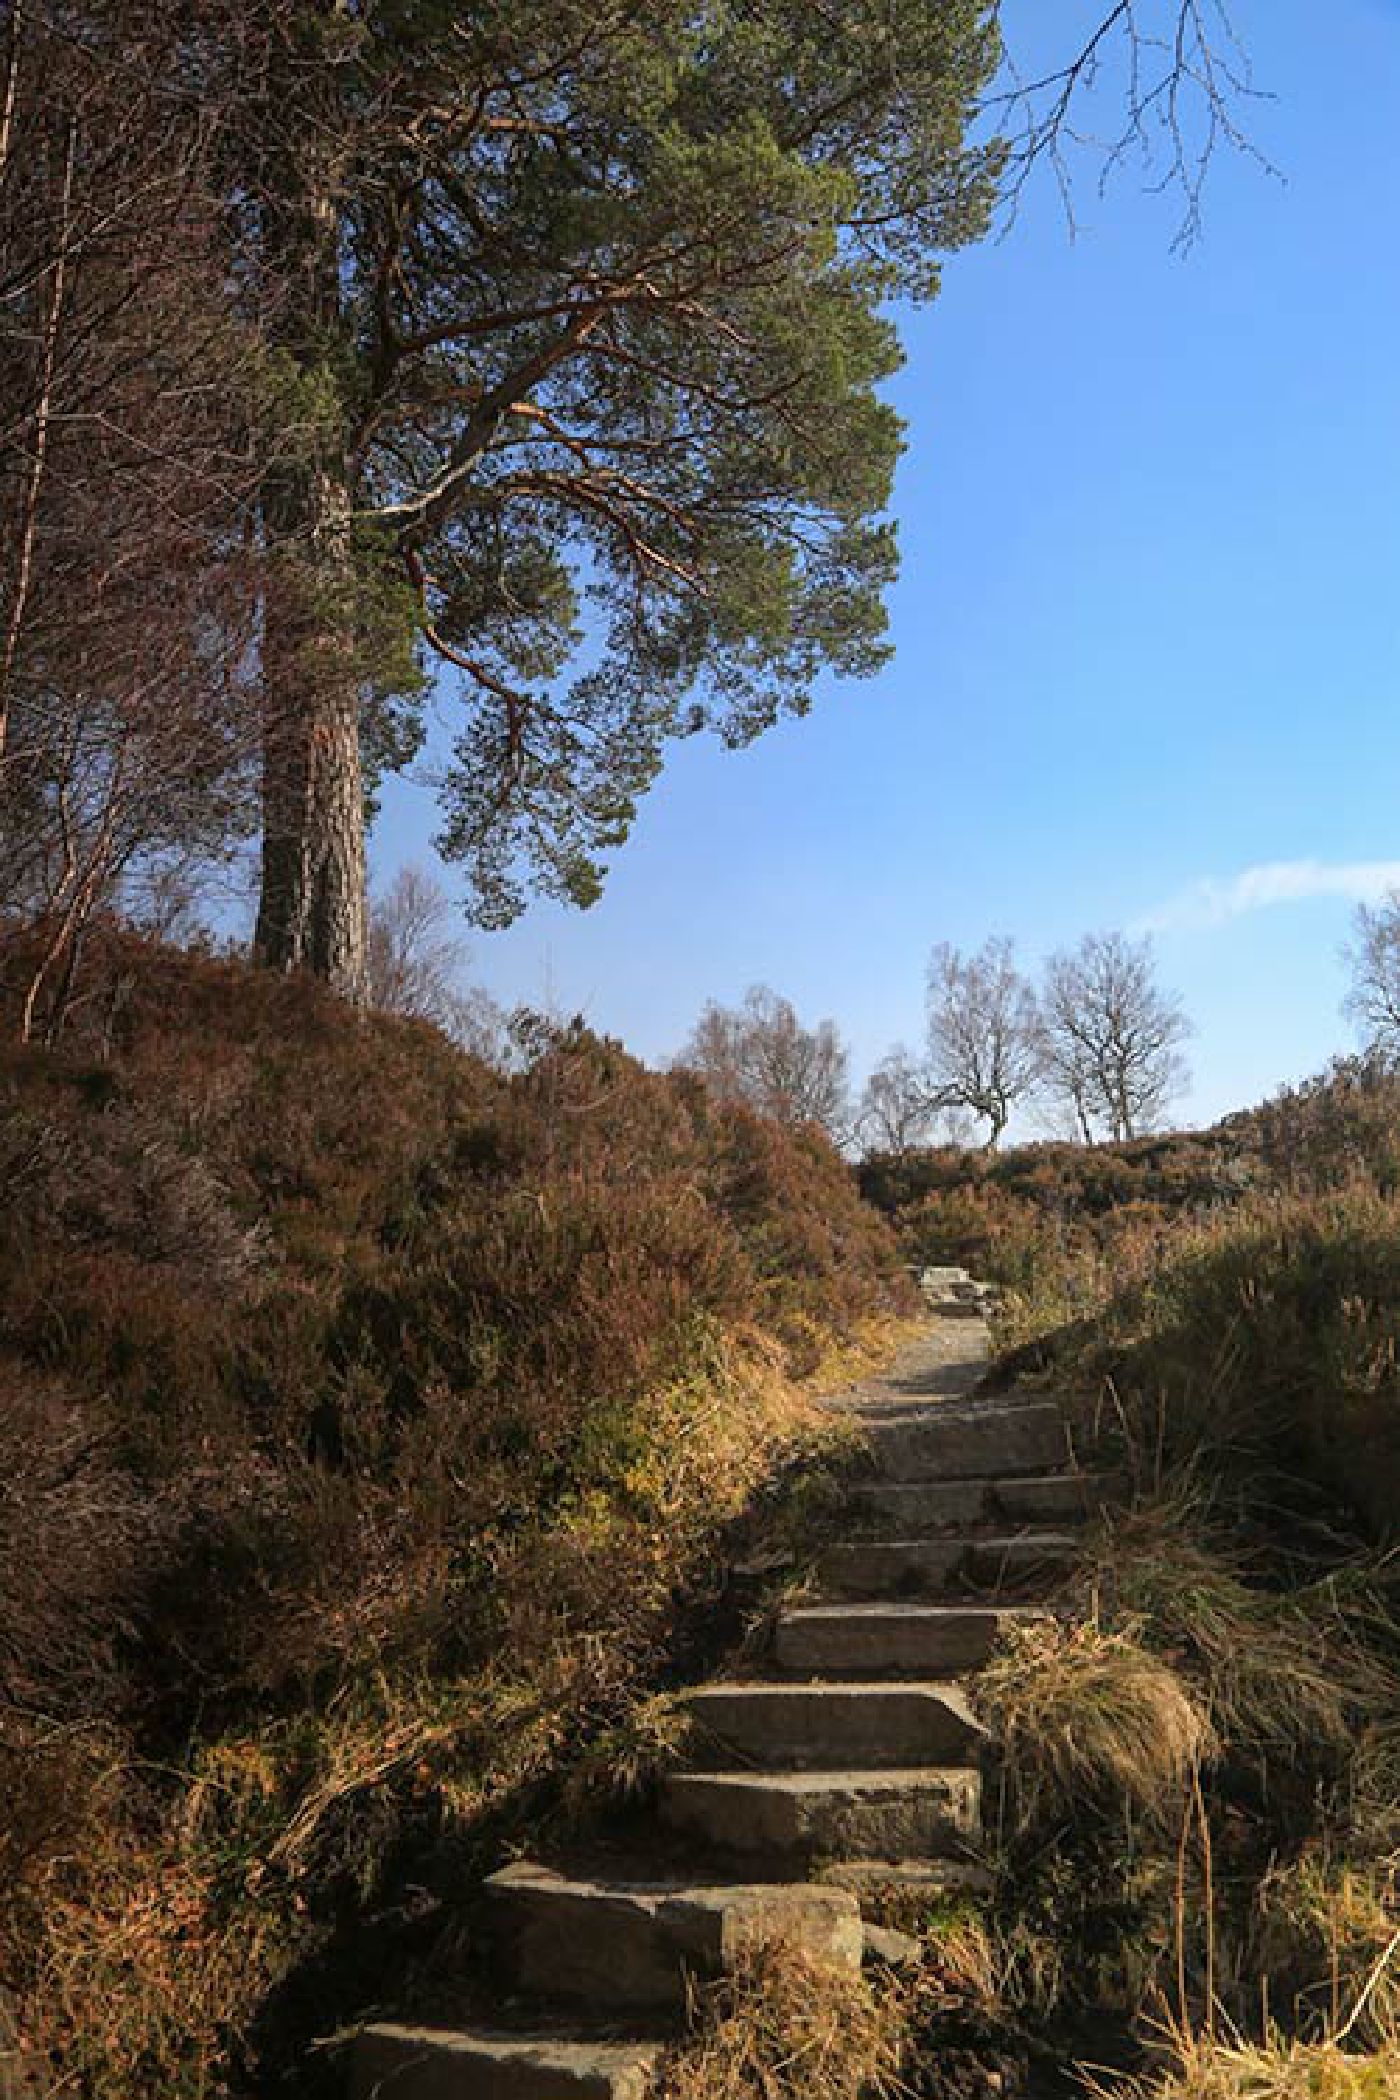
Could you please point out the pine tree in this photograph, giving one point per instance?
(585, 308)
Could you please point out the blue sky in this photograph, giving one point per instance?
(1147, 628)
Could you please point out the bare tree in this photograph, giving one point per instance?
(983, 1041)
(1372, 1002)
(761, 1054)
(128, 725)
(416, 959)
(417, 964)
(1110, 1036)
(900, 1107)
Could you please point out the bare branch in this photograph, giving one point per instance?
(1181, 78)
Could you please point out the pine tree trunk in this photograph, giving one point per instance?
(312, 911)
(311, 915)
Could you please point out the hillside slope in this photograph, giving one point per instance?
(368, 1422)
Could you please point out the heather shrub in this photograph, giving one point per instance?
(1330, 1132)
(1058, 1226)
(76, 1534)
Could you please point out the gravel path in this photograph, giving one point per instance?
(944, 1363)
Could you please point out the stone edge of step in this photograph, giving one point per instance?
(649, 1895)
(387, 2057)
(857, 1780)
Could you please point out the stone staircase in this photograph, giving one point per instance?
(852, 1765)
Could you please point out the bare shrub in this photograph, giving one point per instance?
(760, 1054)
(417, 964)
(900, 1107)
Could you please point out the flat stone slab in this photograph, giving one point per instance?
(862, 1726)
(951, 1292)
(922, 1567)
(424, 2063)
(1024, 1560)
(627, 1945)
(989, 1443)
(911, 1508)
(925, 1812)
(1050, 1498)
(887, 1949)
(890, 1567)
(891, 1640)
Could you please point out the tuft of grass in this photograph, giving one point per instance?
(1327, 1942)
(1261, 1347)
(1085, 1717)
(783, 2027)
(626, 1761)
(1171, 1761)
(1274, 1668)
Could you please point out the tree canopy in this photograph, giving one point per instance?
(600, 367)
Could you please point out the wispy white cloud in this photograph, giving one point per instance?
(1214, 901)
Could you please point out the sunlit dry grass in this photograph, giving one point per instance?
(1081, 1716)
(1279, 2069)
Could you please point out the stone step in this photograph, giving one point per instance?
(988, 1443)
(891, 1640)
(633, 1945)
(1051, 1498)
(424, 2063)
(914, 1507)
(857, 1726)
(926, 1811)
(921, 1567)
(887, 1948)
(1022, 1560)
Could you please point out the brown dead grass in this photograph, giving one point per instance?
(1082, 1717)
